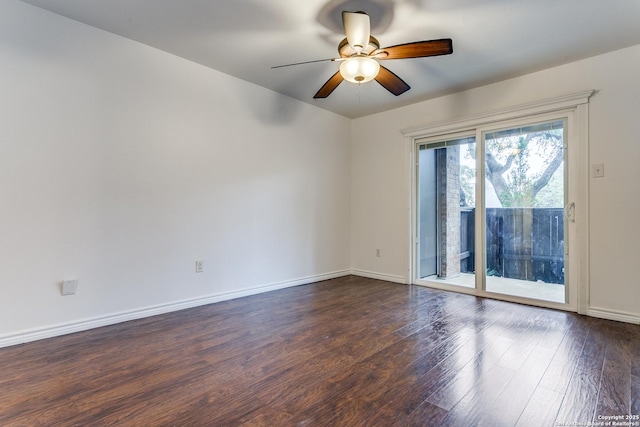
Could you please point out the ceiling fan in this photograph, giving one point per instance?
(360, 53)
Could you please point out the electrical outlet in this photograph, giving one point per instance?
(69, 287)
(199, 266)
(378, 253)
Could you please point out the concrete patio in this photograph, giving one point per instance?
(522, 288)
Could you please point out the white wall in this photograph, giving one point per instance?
(121, 165)
(380, 199)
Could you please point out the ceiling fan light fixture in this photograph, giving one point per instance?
(359, 69)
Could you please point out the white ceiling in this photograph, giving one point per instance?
(492, 39)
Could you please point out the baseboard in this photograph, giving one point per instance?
(96, 322)
(379, 276)
(619, 316)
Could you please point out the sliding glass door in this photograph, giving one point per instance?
(504, 233)
(524, 199)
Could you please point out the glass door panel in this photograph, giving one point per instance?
(446, 211)
(524, 199)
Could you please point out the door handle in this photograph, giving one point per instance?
(570, 211)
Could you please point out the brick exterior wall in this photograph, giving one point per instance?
(448, 167)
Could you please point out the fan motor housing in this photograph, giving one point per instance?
(345, 50)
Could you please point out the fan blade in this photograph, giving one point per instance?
(415, 49)
(357, 29)
(329, 86)
(391, 82)
(308, 62)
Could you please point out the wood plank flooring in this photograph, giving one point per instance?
(345, 352)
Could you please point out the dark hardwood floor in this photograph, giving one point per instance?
(343, 352)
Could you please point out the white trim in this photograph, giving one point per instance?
(582, 205)
(619, 316)
(379, 276)
(480, 213)
(125, 316)
(411, 215)
(522, 110)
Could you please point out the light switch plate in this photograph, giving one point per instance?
(69, 287)
(597, 170)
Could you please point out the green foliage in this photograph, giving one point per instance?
(468, 176)
(552, 194)
(523, 169)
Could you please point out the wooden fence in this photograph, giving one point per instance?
(522, 243)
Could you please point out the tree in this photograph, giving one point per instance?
(519, 167)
